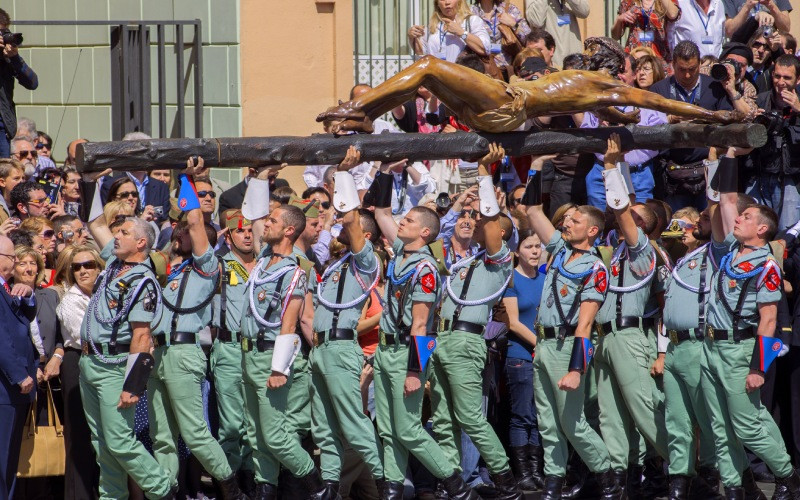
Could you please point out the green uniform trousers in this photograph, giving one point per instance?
(628, 396)
(686, 408)
(457, 397)
(399, 418)
(337, 419)
(274, 443)
(226, 367)
(175, 407)
(560, 413)
(298, 405)
(119, 454)
(737, 417)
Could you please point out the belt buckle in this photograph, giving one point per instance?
(442, 322)
(673, 336)
(711, 332)
(315, 339)
(562, 332)
(540, 330)
(247, 344)
(382, 338)
(85, 348)
(599, 329)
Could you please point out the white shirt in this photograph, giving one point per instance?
(414, 192)
(695, 25)
(70, 312)
(448, 46)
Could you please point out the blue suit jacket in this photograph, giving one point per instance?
(17, 353)
(156, 193)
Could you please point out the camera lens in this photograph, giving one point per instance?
(719, 72)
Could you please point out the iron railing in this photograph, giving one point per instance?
(131, 99)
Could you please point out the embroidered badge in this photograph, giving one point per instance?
(772, 280)
(601, 281)
(746, 266)
(428, 283)
(615, 270)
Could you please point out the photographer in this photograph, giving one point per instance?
(12, 66)
(731, 72)
(775, 167)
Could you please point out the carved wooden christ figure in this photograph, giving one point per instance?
(491, 105)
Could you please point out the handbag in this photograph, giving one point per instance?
(684, 179)
(42, 453)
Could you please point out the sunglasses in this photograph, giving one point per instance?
(759, 45)
(38, 201)
(127, 194)
(48, 233)
(89, 265)
(24, 154)
(42, 145)
(469, 213)
(325, 205)
(203, 194)
(516, 201)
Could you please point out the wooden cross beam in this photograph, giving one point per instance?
(326, 149)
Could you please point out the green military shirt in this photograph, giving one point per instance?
(268, 295)
(594, 283)
(202, 277)
(638, 264)
(366, 265)
(763, 288)
(109, 298)
(681, 299)
(488, 278)
(424, 288)
(235, 294)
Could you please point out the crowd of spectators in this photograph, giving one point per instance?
(717, 54)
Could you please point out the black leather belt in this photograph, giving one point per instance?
(678, 336)
(737, 336)
(622, 322)
(177, 338)
(225, 335)
(464, 326)
(403, 338)
(104, 349)
(338, 334)
(259, 345)
(548, 332)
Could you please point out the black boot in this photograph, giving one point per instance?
(230, 489)
(621, 478)
(634, 487)
(734, 493)
(705, 486)
(579, 486)
(655, 483)
(552, 488)
(317, 490)
(247, 482)
(521, 466)
(609, 489)
(506, 486)
(787, 488)
(392, 490)
(679, 487)
(441, 492)
(171, 495)
(536, 455)
(332, 490)
(750, 487)
(457, 489)
(266, 491)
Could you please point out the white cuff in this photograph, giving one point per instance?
(286, 348)
(345, 193)
(663, 340)
(711, 171)
(97, 205)
(617, 191)
(488, 200)
(256, 199)
(625, 168)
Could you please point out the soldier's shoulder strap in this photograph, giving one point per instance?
(606, 253)
(778, 249)
(158, 263)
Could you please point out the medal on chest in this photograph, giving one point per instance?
(463, 274)
(262, 295)
(398, 294)
(550, 300)
(112, 304)
(692, 264)
(335, 277)
(173, 285)
(732, 284)
(564, 291)
(615, 270)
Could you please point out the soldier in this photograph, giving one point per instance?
(575, 287)
(460, 356)
(336, 358)
(174, 390)
(742, 311)
(411, 294)
(226, 354)
(116, 361)
(627, 394)
(275, 292)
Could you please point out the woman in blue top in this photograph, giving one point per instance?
(521, 301)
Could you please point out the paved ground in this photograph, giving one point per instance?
(767, 488)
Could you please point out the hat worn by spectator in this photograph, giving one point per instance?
(309, 207)
(738, 49)
(531, 66)
(233, 219)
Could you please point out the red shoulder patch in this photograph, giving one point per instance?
(428, 283)
(772, 280)
(319, 278)
(601, 281)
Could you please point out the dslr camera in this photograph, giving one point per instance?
(719, 71)
(10, 38)
(773, 120)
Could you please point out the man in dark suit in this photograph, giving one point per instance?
(17, 366)
(151, 192)
(234, 197)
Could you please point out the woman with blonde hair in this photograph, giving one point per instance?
(452, 29)
(44, 242)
